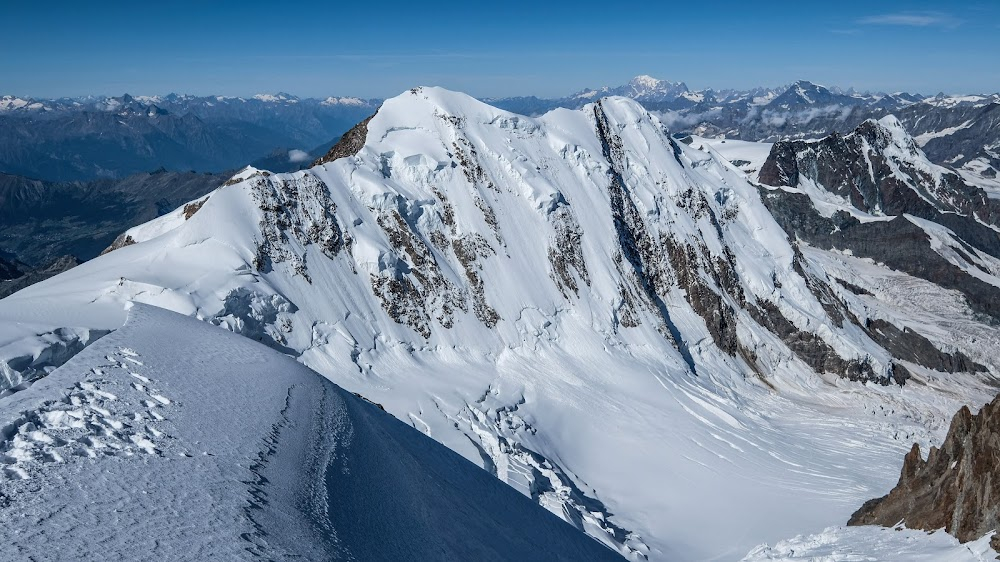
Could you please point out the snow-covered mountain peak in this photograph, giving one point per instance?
(435, 99)
(279, 97)
(807, 85)
(450, 206)
(349, 101)
(13, 103)
(808, 90)
(646, 87)
(888, 131)
(643, 88)
(645, 81)
(806, 94)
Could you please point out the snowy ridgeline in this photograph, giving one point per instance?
(875, 544)
(173, 440)
(605, 319)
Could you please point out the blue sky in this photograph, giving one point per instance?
(539, 48)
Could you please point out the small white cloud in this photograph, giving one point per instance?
(912, 19)
(296, 156)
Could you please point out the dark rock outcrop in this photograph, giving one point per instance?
(957, 488)
(191, 208)
(908, 345)
(880, 170)
(9, 270)
(119, 243)
(302, 210)
(349, 144)
(898, 243)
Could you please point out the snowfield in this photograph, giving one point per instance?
(745, 155)
(881, 544)
(173, 440)
(530, 293)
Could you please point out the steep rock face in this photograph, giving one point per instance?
(349, 144)
(879, 169)
(956, 488)
(899, 243)
(957, 133)
(874, 193)
(298, 212)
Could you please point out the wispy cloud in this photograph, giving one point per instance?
(913, 19)
(296, 156)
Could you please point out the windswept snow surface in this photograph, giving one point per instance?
(981, 174)
(875, 544)
(464, 270)
(171, 439)
(745, 155)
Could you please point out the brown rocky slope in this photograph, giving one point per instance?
(957, 488)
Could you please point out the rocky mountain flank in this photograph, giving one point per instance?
(956, 488)
(879, 169)
(874, 193)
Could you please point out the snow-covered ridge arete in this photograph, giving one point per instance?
(170, 439)
(609, 321)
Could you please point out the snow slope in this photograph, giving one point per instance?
(746, 155)
(595, 314)
(838, 544)
(170, 439)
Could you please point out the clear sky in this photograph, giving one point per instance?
(378, 49)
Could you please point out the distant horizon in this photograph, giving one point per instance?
(342, 95)
(544, 49)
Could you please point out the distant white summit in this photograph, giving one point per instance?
(351, 101)
(275, 98)
(12, 103)
(642, 88)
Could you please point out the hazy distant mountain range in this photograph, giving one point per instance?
(109, 137)
(51, 226)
